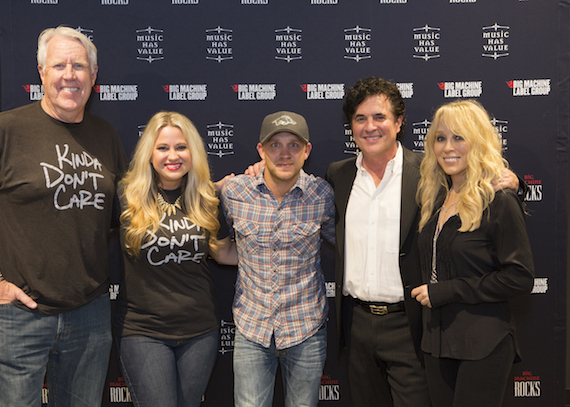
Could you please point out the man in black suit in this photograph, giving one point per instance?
(377, 262)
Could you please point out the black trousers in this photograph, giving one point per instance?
(471, 383)
(383, 368)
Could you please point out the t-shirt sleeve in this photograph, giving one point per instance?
(223, 232)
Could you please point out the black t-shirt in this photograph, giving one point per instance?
(57, 185)
(167, 292)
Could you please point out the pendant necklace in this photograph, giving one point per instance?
(433, 277)
(167, 207)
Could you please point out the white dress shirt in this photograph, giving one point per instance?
(372, 246)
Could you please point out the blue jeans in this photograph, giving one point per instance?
(74, 346)
(167, 373)
(301, 367)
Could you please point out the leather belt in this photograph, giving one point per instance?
(379, 308)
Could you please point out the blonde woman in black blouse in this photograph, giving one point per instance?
(475, 256)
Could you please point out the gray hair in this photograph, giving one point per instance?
(68, 32)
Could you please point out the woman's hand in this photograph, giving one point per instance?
(226, 253)
(421, 295)
(220, 184)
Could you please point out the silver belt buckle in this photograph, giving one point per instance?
(379, 309)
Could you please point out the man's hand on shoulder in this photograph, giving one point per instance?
(509, 180)
(254, 169)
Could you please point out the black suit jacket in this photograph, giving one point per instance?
(341, 175)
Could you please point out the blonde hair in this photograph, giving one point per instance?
(485, 163)
(140, 185)
(67, 32)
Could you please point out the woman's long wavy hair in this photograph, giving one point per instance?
(485, 163)
(141, 183)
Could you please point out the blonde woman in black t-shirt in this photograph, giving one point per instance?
(166, 325)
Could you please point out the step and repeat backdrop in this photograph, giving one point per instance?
(228, 63)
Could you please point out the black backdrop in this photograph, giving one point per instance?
(228, 63)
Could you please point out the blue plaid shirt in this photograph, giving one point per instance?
(280, 288)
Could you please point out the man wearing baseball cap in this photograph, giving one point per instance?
(280, 306)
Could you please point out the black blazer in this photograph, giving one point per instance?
(341, 175)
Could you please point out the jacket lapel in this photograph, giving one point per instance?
(410, 179)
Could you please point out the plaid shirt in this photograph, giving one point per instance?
(280, 288)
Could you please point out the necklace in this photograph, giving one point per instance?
(448, 208)
(169, 208)
(438, 227)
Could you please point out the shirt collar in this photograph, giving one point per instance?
(393, 165)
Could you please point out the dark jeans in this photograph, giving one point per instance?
(167, 373)
(74, 346)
